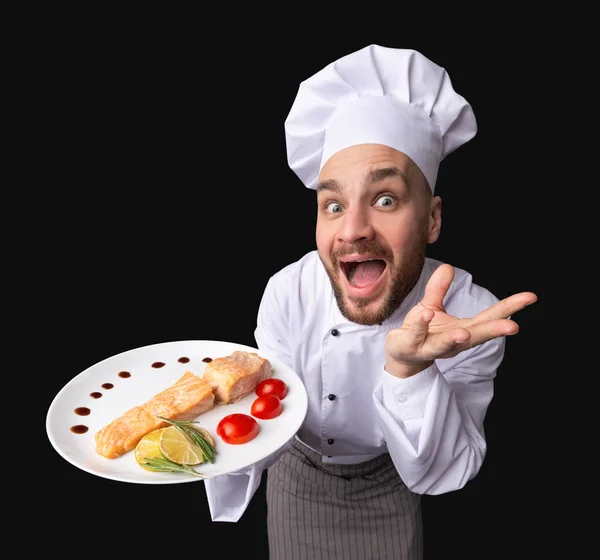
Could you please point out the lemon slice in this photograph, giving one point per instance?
(177, 447)
(147, 448)
(205, 434)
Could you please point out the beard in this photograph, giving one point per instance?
(404, 271)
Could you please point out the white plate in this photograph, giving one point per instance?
(144, 382)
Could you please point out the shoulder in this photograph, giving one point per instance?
(302, 280)
(306, 269)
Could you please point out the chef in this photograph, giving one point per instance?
(397, 351)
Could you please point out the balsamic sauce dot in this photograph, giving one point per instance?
(79, 429)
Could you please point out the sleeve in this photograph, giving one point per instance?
(433, 421)
(229, 494)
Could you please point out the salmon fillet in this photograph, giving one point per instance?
(186, 399)
(237, 375)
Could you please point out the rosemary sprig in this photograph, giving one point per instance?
(161, 464)
(186, 427)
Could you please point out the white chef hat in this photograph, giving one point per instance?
(381, 95)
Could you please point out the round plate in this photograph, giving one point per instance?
(116, 384)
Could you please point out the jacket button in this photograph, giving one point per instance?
(330, 441)
(335, 332)
(331, 397)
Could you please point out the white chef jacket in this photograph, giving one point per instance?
(431, 424)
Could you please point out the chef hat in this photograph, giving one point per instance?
(381, 95)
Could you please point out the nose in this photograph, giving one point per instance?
(355, 226)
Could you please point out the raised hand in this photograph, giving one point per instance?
(429, 333)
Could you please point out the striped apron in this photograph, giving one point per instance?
(321, 511)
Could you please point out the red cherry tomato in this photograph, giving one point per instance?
(237, 428)
(266, 407)
(272, 386)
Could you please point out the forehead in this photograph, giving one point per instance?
(356, 163)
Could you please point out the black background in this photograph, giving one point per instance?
(163, 203)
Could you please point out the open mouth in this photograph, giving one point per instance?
(363, 273)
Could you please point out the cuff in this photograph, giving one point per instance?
(406, 398)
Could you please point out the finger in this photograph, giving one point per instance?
(448, 341)
(492, 329)
(506, 307)
(419, 328)
(437, 287)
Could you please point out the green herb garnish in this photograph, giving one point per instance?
(187, 428)
(160, 464)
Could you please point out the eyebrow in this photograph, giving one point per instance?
(374, 176)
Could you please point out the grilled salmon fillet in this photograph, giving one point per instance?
(186, 399)
(237, 375)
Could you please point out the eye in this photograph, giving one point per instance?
(334, 207)
(385, 201)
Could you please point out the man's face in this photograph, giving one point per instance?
(375, 217)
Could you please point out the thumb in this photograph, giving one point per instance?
(437, 287)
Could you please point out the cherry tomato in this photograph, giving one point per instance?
(266, 407)
(272, 386)
(237, 428)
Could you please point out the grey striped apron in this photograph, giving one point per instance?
(319, 511)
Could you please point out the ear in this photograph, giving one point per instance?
(435, 219)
